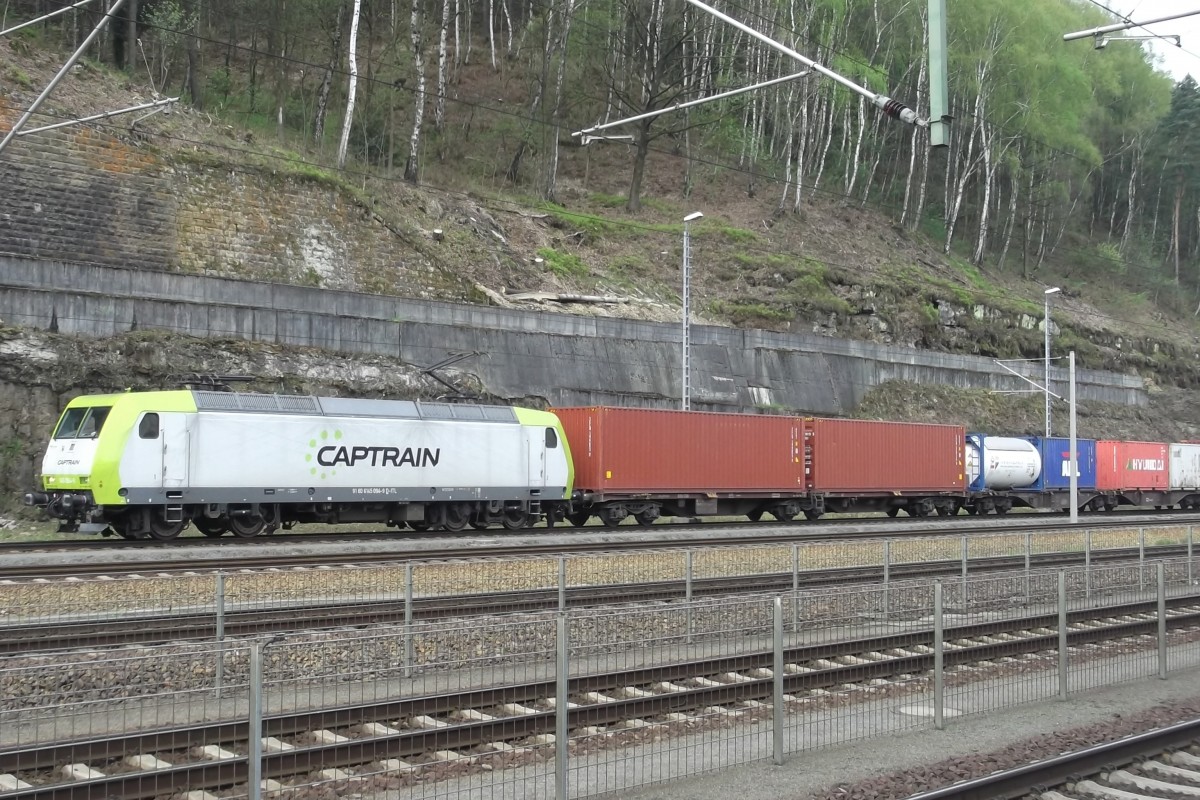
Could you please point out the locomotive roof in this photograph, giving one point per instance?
(348, 407)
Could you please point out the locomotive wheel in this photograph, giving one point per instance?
(1002, 508)
(515, 519)
(246, 526)
(811, 514)
(420, 525)
(457, 516)
(478, 524)
(579, 518)
(162, 530)
(212, 528)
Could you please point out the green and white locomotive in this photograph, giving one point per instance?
(146, 464)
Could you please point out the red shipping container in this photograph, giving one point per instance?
(655, 451)
(855, 456)
(1131, 465)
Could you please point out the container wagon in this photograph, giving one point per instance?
(655, 462)
(857, 466)
(1132, 473)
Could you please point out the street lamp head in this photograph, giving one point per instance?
(1053, 290)
(695, 215)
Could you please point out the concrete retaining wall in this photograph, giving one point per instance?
(566, 359)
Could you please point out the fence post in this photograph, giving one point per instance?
(408, 620)
(796, 588)
(1087, 563)
(777, 709)
(939, 654)
(562, 583)
(1028, 562)
(561, 711)
(220, 677)
(1141, 559)
(1162, 621)
(687, 595)
(887, 578)
(254, 745)
(1189, 554)
(1063, 665)
(965, 586)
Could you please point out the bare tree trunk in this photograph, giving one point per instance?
(556, 109)
(439, 108)
(1175, 235)
(492, 30)
(1009, 223)
(335, 58)
(1135, 168)
(195, 87)
(412, 167)
(348, 122)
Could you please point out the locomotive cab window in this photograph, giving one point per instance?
(148, 427)
(82, 423)
(551, 438)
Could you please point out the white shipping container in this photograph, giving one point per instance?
(1185, 466)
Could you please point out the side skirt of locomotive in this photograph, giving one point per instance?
(169, 517)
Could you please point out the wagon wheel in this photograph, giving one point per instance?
(891, 512)
(971, 510)
(162, 530)
(646, 518)
(579, 518)
(755, 515)
(210, 527)
(612, 516)
(942, 511)
(1002, 508)
(783, 515)
(811, 514)
(514, 519)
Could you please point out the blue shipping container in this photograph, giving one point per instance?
(1056, 460)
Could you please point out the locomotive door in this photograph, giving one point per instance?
(536, 450)
(174, 449)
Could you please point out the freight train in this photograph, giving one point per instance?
(149, 464)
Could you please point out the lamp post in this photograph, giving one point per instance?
(1046, 325)
(687, 340)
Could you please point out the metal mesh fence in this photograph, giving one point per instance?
(542, 703)
(43, 614)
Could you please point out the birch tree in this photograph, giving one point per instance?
(412, 167)
(348, 122)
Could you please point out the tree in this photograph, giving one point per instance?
(348, 122)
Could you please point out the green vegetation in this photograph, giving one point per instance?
(18, 76)
(567, 265)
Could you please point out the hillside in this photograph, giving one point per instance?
(215, 192)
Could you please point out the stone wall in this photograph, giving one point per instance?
(86, 196)
(562, 359)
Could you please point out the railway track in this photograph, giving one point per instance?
(205, 559)
(1151, 764)
(65, 634)
(372, 745)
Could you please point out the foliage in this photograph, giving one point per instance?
(566, 265)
